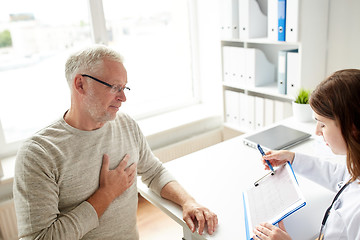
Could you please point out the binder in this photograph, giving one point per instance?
(259, 71)
(281, 76)
(233, 74)
(232, 108)
(226, 54)
(250, 113)
(281, 19)
(243, 110)
(246, 67)
(228, 113)
(229, 19)
(238, 66)
(293, 73)
(234, 65)
(224, 9)
(282, 110)
(259, 112)
(291, 29)
(282, 69)
(272, 18)
(235, 19)
(267, 203)
(252, 21)
(269, 111)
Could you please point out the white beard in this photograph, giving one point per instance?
(96, 110)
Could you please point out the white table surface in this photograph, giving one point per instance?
(216, 176)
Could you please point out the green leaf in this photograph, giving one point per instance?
(303, 96)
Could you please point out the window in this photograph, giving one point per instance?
(154, 38)
(37, 36)
(40, 36)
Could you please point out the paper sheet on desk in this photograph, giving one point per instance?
(276, 197)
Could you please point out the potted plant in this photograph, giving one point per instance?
(301, 107)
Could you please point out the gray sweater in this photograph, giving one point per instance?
(58, 169)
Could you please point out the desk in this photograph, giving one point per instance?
(216, 177)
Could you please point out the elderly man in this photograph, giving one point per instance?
(76, 179)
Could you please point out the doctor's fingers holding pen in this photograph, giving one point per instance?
(277, 158)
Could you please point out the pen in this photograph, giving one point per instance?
(257, 182)
(267, 161)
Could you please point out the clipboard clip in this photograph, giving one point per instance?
(269, 173)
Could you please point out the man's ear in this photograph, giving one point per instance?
(78, 84)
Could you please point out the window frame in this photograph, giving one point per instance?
(99, 36)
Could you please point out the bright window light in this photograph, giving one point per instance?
(36, 38)
(154, 38)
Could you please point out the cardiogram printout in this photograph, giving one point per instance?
(274, 198)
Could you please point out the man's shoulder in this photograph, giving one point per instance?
(54, 128)
(52, 131)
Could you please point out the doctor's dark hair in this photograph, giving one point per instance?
(338, 98)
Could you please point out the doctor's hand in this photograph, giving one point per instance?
(277, 158)
(195, 213)
(267, 231)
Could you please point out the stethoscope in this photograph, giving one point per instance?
(327, 213)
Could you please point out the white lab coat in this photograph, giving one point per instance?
(344, 219)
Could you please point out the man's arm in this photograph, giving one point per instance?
(192, 211)
(36, 198)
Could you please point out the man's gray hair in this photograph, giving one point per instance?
(89, 61)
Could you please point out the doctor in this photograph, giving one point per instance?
(336, 104)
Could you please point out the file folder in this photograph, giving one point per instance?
(272, 18)
(281, 76)
(234, 71)
(282, 70)
(226, 54)
(281, 19)
(259, 112)
(252, 21)
(293, 73)
(291, 29)
(269, 111)
(239, 66)
(229, 19)
(282, 110)
(259, 71)
(235, 19)
(250, 116)
(246, 67)
(243, 110)
(232, 108)
(275, 198)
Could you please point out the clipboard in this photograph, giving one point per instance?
(273, 199)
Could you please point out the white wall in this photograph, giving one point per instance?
(343, 35)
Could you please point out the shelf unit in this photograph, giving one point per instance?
(311, 45)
